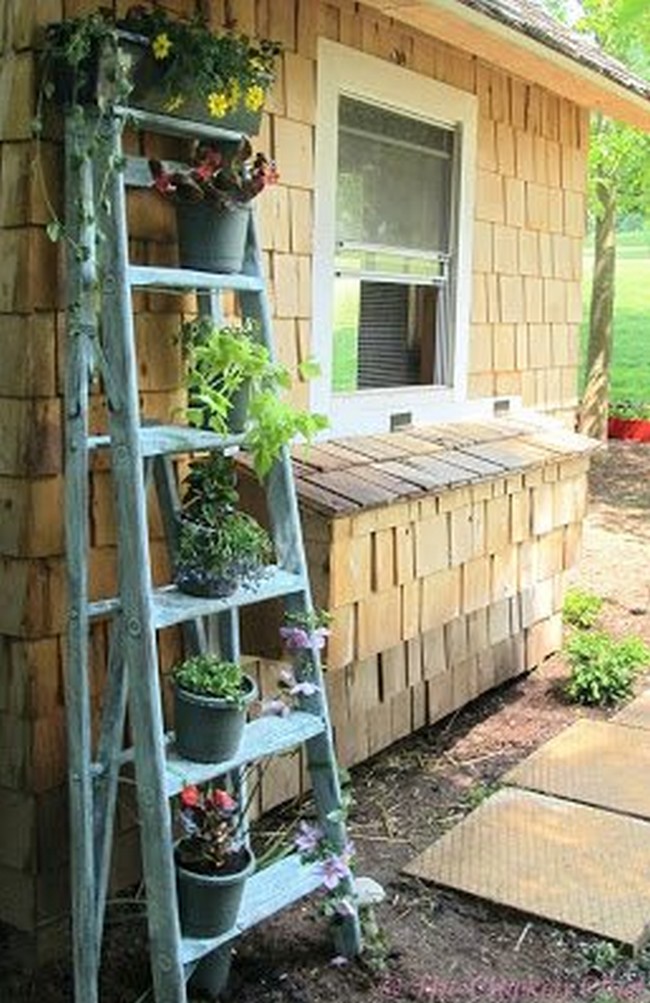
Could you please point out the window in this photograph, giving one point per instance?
(395, 161)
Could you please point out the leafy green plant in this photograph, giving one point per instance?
(207, 675)
(581, 608)
(602, 669)
(217, 545)
(225, 70)
(223, 359)
(629, 409)
(237, 548)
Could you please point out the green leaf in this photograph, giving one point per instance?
(630, 10)
(309, 369)
(55, 230)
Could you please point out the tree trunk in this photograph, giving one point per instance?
(593, 410)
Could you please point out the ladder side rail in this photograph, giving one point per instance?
(107, 768)
(134, 573)
(80, 329)
(286, 527)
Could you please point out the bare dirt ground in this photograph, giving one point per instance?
(441, 947)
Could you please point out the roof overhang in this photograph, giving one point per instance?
(517, 53)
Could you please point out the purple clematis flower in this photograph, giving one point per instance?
(308, 837)
(333, 871)
(295, 638)
(301, 639)
(305, 689)
(275, 708)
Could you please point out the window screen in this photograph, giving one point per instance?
(393, 264)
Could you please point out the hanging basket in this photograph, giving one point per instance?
(209, 729)
(208, 903)
(211, 239)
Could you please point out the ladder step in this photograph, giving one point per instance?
(168, 126)
(172, 279)
(268, 891)
(266, 736)
(165, 440)
(171, 606)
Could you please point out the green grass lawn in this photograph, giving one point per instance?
(630, 376)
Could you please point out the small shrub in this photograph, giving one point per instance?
(602, 669)
(581, 608)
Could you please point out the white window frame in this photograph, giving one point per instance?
(344, 71)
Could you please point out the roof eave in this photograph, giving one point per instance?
(520, 54)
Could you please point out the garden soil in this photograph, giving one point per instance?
(435, 945)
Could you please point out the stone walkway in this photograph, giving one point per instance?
(569, 838)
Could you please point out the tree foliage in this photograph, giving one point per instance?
(619, 183)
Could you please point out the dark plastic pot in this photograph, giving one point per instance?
(208, 904)
(209, 729)
(198, 582)
(239, 408)
(212, 239)
(213, 971)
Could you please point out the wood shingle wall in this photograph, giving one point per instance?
(393, 649)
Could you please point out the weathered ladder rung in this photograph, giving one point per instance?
(172, 279)
(166, 440)
(264, 737)
(171, 606)
(154, 122)
(268, 891)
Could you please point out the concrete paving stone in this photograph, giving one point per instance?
(580, 866)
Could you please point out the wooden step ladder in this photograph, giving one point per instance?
(101, 337)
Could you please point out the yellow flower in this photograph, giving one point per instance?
(161, 45)
(175, 103)
(217, 104)
(254, 98)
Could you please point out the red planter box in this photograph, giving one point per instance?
(629, 428)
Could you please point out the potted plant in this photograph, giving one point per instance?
(629, 420)
(160, 62)
(224, 364)
(210, 701)
(212, 861)
(221, 361)
(218, 547)
(212, 196)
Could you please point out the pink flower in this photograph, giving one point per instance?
(223, 800)
(190, 796)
